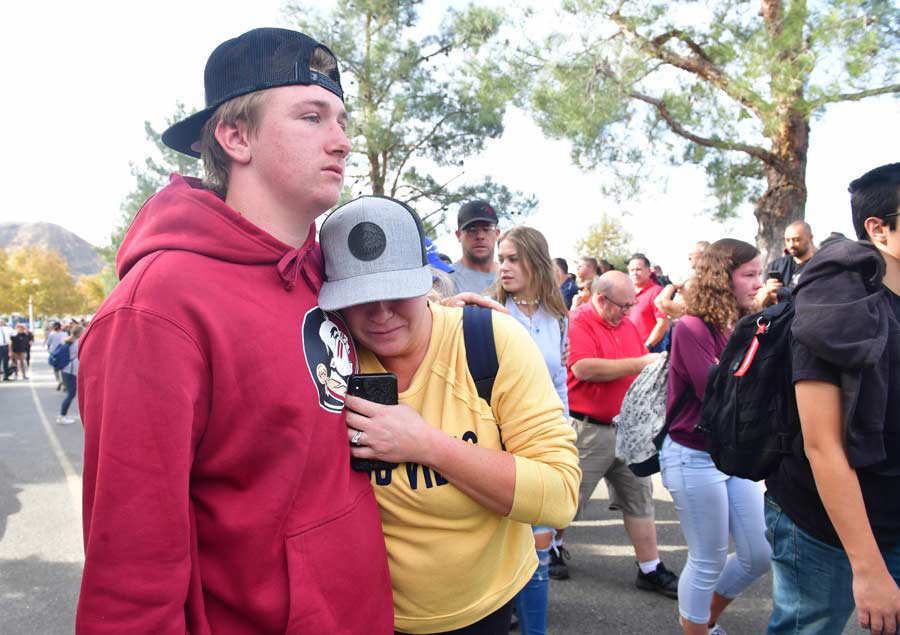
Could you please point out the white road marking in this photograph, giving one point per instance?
(73, 480)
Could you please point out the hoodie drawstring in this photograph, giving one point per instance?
(302, 261)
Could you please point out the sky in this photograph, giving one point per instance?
(83, 77)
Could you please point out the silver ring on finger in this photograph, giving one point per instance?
(354, 440)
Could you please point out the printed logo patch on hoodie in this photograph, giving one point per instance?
(330, 356)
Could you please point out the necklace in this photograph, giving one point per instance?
(526, 302)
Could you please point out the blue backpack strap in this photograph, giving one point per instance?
(481, 353)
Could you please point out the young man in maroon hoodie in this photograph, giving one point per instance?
(217, 492)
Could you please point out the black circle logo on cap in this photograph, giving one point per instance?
(367, 241)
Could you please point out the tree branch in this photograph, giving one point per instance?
(444, 49)
(659, 40)
(872, 92)
(700, 64)
(710, 142)
(418, 144)
(428, 193)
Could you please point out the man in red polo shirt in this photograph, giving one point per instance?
(605, 355)
(651, 323)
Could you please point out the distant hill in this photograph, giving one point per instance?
(77, 252)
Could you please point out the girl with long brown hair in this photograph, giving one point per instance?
(711, 504)
(526, 286)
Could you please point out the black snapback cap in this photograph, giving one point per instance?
(476, 210)
(256, 60)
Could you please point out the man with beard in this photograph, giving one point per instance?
(784, 272)
(477, 234)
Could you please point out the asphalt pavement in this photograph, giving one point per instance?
(41, 553)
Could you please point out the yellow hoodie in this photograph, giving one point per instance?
(452, 561)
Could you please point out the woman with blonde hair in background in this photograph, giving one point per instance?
(526, 286)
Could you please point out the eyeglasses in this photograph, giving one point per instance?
(474, 230)
(623, 307)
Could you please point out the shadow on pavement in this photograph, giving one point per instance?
(9, 501)
(38, 596)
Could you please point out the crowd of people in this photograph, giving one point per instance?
(218, 489)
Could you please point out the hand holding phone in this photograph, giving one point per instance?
(379, 388)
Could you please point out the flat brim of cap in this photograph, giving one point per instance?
(184, 135)
(479, 219)
(375, 287)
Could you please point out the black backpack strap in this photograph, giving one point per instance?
(481, 353)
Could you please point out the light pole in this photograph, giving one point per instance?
(31, 284)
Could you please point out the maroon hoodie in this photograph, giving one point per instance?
(218, 496)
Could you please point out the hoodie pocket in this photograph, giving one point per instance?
(338, 575)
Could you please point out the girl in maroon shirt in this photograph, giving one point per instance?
(709, 502)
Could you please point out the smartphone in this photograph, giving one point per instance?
(380, 388)
(776, 275)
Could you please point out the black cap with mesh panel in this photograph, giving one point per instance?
(256, 60)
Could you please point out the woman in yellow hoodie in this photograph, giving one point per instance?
(471, 476)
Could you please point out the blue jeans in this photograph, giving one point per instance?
(812, 583)
(531, 601)
(710, 505)
(69, 381)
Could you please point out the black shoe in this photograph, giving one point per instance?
(559, 570)
(662, 581)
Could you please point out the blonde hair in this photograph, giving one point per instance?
(442, 285)
(247, 109)
(534, 253)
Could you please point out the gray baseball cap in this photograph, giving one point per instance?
(374, 249)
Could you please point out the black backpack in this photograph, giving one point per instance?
(749, 412)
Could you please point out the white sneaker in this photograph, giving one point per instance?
(65, 420)
(715, 630)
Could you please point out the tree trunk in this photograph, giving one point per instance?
(782, 203)
(784, 200)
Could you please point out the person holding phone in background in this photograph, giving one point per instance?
(784, 272)
(471, 476)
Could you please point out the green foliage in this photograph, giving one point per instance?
(419, 104)
(44, 276)
(92, 292)
(6, 283)
(150, 176)
(607, 239)
(717, 84)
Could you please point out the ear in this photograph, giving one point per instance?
(877, 230)
(458, 235)
(234, 139)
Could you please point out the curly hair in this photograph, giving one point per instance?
(710, 296)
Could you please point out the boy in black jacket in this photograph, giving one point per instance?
(833, 507)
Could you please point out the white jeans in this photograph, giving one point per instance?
(711, 505)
